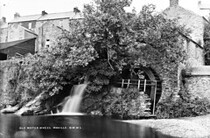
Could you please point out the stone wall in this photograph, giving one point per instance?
(191, 21)
(48, 35)
(9, 71)
(15, 32)
(195, 54)
(197, 81)
(170, 80)
(195, 24)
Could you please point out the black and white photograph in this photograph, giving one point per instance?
(104, 68)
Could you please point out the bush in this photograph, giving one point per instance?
(185, 106)
(129, 104)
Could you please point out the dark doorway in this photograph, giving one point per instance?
(3, 56)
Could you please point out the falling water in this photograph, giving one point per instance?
(73, 103)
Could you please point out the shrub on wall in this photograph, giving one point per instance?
(185, 106)
(129, 104)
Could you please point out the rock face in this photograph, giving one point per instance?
(15, 98)
(123, 103)
(32, 107)
(9, 73)
(10, 109)
(13, 95)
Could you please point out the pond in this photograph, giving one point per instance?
(12, 126)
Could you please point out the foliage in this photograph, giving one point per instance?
(129, 104)
(49, 70)
(127, 38)
(98, 47)
(100, 75)
(185, 106)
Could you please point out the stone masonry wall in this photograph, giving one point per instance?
(170, 81)
(197, 81)
(48, 32)
(15, 32)
(199, 86)
(191, 21)
(195, 24)
(8, 74)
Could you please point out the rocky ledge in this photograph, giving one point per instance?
(189, 127)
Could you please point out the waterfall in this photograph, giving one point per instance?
(72, 105)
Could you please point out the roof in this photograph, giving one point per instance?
(13, 43)
(180, 10)
(60, 16)
(29, 31)
(207, 21)
(26, 18)
(50, 16)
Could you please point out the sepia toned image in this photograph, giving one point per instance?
(105, 69)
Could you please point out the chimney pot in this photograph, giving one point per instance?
(16, 15)
(44, 13)
(174, 3)
(4, 19)
(76, 10)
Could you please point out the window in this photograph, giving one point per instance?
(207, 58)
(47, 43)
(30, 26)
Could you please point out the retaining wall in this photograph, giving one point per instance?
(197, 81)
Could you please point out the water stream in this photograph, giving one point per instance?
(72, 105)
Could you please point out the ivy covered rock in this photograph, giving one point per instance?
(128, 104)
(184, 106)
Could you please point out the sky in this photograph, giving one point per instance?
(31, 7)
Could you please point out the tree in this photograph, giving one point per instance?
(98, 47)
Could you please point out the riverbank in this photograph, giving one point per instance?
(188, 127)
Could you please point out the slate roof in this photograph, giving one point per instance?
(62, 15)
(26, 18)
(50, 16)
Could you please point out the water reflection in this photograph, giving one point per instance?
(12, 126)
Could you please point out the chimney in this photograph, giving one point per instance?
(16, 15)
(199, 4)
(44, 13)
(4, 19)
(76, 10)
(174, 3)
